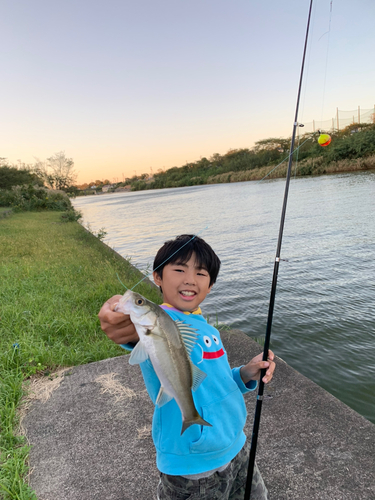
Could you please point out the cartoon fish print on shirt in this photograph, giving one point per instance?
(212, 349)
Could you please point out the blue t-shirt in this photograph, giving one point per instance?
(218, 399)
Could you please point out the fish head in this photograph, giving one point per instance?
(140, 310)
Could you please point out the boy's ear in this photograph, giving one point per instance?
(157, 278)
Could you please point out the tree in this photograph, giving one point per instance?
(12, 176)
(60, 172)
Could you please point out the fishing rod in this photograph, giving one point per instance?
(258, 408)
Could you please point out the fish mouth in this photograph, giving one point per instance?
(124, 304)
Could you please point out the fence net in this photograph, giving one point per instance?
(341, 120)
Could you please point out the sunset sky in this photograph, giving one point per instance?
(124, 86)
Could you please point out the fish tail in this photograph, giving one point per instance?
(196, 420)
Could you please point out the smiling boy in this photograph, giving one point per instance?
(184, 284)
(205, 462)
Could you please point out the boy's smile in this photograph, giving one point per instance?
(184, 286)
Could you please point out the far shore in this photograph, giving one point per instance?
(311, 167)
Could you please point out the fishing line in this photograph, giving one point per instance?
(289, 156)
(296, 162)
(329, 25)
(118, 277)
(326, 64)
(259, 401)
(166, 260)
(309, 51)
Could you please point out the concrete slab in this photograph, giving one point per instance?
(91, 439)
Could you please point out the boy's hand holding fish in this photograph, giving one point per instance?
(117, 326)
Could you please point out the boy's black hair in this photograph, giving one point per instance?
(181, 249)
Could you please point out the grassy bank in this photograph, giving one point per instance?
(309, 166)
(54, 278)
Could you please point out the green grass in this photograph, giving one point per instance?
(54, 278)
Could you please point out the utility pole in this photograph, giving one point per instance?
(337, 119)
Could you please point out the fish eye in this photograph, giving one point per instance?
(207, 341)
(216, 340)
(139, 302)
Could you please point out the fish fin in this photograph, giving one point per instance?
(198, 377)
(186, 329)
(197, 420)
(163, 397)
(138, 355)
(188, 334)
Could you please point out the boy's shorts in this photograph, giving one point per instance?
(230, 484)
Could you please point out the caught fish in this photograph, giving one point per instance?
(168, 344)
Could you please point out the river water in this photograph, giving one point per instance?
(324, 317)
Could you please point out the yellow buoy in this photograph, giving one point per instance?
(324, 139)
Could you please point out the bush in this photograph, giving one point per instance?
(354, 144)
(72, 215)
(30, 198)
(12, 176)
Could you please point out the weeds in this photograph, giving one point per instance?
(71, 215)
(219, 326)
(101, 234)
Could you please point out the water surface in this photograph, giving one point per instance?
(324, 318)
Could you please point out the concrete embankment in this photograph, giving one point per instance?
(91, 438)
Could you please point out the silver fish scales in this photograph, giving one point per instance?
(168, 344)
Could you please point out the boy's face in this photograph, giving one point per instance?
(185, 286)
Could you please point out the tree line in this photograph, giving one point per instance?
(353, 142)
(356, 141)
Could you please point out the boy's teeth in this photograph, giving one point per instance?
(188, 293)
